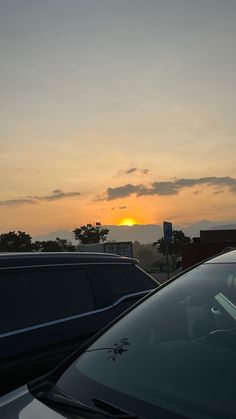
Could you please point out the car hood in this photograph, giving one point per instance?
(20, 404)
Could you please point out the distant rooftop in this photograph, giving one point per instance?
(216, 236)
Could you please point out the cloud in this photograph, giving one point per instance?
(99, 198)
(16, 202)
(121, 191)
(211, 181)
(132, 170)
(119, 208)
(27, 170)
(219, 191)
(135, 169)
(169, 188)
(159, 188)
(56, 195)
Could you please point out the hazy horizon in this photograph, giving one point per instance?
(144, 233)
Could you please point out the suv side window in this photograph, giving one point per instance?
(42, 296)
(119, 280)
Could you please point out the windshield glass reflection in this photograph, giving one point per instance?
(175, 351)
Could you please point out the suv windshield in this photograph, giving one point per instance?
(173, 354)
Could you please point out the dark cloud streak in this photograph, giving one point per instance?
(121, 192)
(16, 202)
(56, 195)
(119, 208)
(169, 188)
(135, 170)
(132, 170)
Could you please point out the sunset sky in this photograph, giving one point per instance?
(115, 109)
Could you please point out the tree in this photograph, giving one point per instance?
(175, 245)
(145, 256)
(58, 245)
(16, 242)
(89, 233)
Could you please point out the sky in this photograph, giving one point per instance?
(115, 109)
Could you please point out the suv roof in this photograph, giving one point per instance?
(43, 258)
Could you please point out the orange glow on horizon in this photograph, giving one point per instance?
(127, 222)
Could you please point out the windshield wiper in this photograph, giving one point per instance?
(63, 401)
(57, 398)
(114, 410)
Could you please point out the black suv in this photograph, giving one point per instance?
(53, 302)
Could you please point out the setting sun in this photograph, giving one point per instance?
(127, 222)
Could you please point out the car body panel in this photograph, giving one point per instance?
(21, 404)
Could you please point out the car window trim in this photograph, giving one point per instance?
(53, 265)
(76, 316)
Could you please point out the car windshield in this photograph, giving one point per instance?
(174, 353)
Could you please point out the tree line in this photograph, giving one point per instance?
(21, 241)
